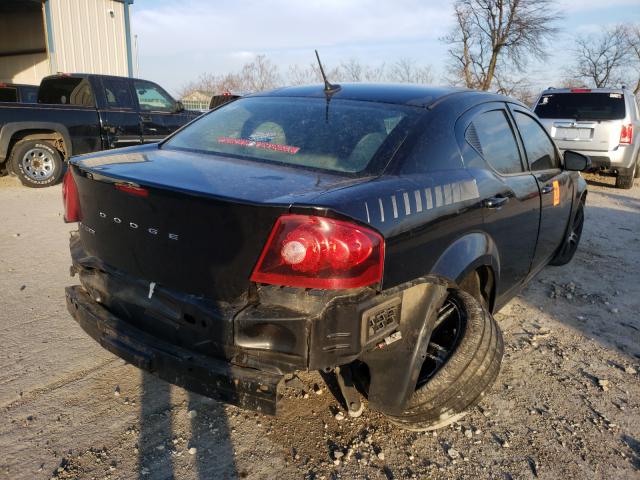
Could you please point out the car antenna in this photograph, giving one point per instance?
(329, 88)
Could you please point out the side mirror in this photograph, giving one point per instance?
(576, 161)
(179, 107)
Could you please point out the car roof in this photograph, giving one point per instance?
(399, 94)
(578, 90)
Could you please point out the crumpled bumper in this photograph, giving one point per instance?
(218, 379)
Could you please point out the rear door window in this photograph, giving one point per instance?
(66, 91)
(581, 106)
(117, 93)
(540, 150)
(491, 135)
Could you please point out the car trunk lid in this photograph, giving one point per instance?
(194, 223)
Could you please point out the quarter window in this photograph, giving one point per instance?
(540, 150)
(491, 134)
(152, 97)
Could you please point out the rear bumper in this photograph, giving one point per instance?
(241, 386)
(621, 158)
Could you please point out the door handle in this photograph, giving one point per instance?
(145, 118)
(546, 189)
(495, 202)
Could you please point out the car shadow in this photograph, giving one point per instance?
(594, 293)
(208, 448)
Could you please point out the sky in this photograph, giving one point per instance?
(179, 41)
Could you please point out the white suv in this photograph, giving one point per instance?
(602, 123)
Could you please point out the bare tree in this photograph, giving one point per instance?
(602, 59)
(260, 74)
(491, 36)
(354, 71)
(405, 70)
(633, 38)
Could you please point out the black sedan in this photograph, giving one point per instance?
(369, 230)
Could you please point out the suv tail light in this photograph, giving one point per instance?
(626, 134)
(70, 198)
(317, 252)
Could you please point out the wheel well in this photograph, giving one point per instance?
(480, 283)
(37, 134)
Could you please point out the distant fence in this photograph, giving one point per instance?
(201, 105)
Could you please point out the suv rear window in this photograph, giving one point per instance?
(340, 135)
(581, 106)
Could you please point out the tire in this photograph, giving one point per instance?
(37, 163)
(572, 239)
(449, 386)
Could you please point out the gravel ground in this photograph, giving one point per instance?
(566, 403)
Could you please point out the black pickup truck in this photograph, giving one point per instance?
(82, 113)
(371, 230)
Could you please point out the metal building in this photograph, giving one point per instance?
(41, 37)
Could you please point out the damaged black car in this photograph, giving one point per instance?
(369, 230)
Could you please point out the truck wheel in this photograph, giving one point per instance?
(37, 163)
(571, 241)
(462, 361)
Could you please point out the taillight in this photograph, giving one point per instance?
(626, 134)
(580, 90)
(70, 198)
(318, 252)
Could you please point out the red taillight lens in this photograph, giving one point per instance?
(626, 134)
(318, 252)
(580, 90)
(70, 198)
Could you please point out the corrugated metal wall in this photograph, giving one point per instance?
(89, 36)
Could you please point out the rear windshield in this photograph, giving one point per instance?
(340, 135)
(582, 106)
(66, 91)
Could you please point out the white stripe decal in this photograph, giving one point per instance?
(381, 210)
(407, 204)
(438, 192)
(447, 194)
(435, 197)
(395, 206)
(418, 200)
(427, 195)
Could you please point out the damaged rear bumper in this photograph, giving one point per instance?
(218, 379)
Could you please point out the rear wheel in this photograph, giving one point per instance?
(462, 361)
(572, 240)
(37, 163)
